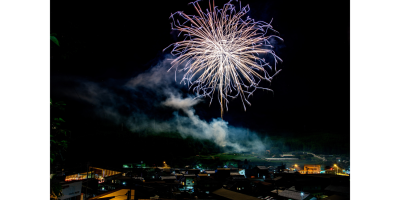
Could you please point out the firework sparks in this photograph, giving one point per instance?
(222, 52)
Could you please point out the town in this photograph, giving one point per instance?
(290, 175)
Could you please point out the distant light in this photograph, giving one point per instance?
(302, 194)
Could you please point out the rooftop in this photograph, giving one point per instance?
(293, 194)
(233, 195)
(262, 167)
(337, 188)
(202, 174)
(167, 177)
(186, 175)
(119, 194)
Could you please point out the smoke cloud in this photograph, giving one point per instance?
(157, 89)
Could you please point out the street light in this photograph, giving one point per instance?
(336, 169)
(301, 195)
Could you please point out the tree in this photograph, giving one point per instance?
(54, 39)
(58, 145)
(58, 134)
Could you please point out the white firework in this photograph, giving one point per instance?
(222, 52)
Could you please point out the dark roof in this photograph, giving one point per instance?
(202, 174)
(126, 178)
(293, 194)
(239, 177)
(336, 197)
(263, 183)
(167, 177)
(151, 181)
(72, 181)
(262, 167)
(256, 179)
(338, 188)
(185, 175)
(233, 195)
(321, 175)
(118, 194)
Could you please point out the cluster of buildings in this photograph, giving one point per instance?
(245, 182)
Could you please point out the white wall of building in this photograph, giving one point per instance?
(72, 189)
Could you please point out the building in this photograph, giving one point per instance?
(94, 172)
(210, 173)
(222, 173)
(262, 188)
(290, 194)
(118, 194)
(207, 184)
(339, 190)
(168, 179)
(71, 190)
(193, 171)
(233, 195)
(311, 169)
(262, 172)
(238, 184)
(188, 181)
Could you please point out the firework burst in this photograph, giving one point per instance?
(222, 52)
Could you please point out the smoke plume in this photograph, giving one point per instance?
(157, 89)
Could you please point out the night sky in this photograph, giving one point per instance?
(110, 43)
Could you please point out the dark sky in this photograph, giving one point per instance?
(110, 43)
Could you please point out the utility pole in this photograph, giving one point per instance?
(87, 179)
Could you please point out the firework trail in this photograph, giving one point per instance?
(221, 51)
